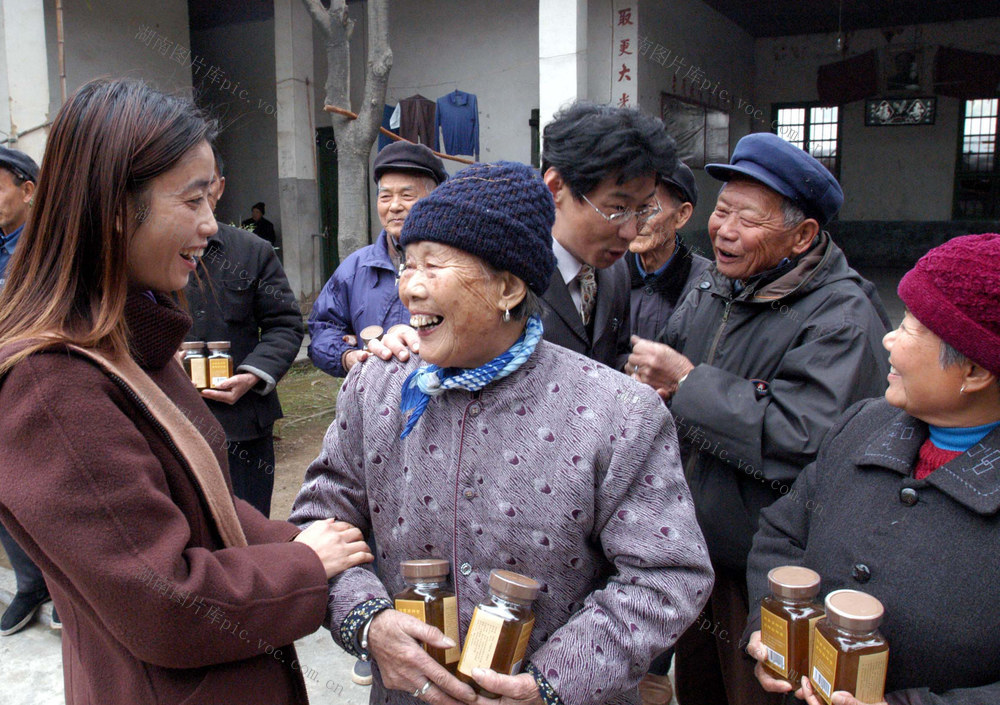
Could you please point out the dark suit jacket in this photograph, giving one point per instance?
(610, 320)
(244, 297)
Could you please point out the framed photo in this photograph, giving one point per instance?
(891, 112)
(903, 70)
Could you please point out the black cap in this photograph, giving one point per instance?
(407, 156)
(682, 179)
(259, 205)
(19, 164)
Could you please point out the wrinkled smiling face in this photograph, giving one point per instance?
(397, 192)
(175, 224)
(917, 383)
(747, 229)
(660, 231)
(453, 304)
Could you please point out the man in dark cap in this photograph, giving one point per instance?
(18, 175)
(663, 268)
(362, 292)
(259, 225)
(758, 361)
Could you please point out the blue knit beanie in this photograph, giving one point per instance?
(502, 213)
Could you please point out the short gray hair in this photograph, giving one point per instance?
(949, 356)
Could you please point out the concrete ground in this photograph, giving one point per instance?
(31, 660)
(31, 663)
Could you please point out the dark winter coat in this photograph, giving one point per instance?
(927, 549)
(155, 609)
(655, 298)
(776, 364)
(243, 296)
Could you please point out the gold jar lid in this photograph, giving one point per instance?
(793, 582)
(218, 345)
(514, 585)
(193, 345)
(425, 568)
(854, 610)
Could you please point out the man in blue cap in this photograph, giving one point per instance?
(778, 339)
(18, 175)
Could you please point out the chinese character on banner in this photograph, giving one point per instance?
(624, 65)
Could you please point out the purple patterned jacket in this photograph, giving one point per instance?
(566, 471)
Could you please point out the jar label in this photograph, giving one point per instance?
(522, 646)
(220, 369)
(870, 686)
(451, 628)
(480, 642)
(823, 668)
(774, 636)
(199, 372)
(414, 608)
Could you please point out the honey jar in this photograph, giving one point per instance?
(787, 620)
(849, 653)
(428, 598)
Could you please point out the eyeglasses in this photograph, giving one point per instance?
(619, 218)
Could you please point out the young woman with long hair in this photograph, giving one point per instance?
(113, 473)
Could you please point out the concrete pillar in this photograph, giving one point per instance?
(562, 55)
(24, 77)
(297, 186)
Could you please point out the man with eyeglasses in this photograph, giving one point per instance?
(600, 163)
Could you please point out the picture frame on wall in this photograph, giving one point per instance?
(896, 112)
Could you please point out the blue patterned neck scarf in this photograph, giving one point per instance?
(430, 380)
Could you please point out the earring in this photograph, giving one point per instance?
(506, 315)
(962, 390)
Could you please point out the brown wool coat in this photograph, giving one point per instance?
(154, 608)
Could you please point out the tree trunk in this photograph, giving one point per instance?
(354, 137)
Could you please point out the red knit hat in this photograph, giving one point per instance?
(954, 290)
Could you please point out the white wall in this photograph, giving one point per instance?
(888, 173)
(101, 41)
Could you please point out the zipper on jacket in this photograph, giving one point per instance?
(689, 467)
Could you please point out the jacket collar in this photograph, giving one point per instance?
(670, 282)
(972, 479)
(378, 255)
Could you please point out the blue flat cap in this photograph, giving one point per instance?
(19, 163)
(786, 169)
(407, 156)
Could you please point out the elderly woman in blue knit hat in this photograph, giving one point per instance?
(903, 501)
(494, 449)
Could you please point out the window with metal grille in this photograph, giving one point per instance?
(815, 128)
(977, 191)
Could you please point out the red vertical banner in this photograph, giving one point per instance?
(624, 50)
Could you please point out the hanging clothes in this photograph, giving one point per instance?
(458, 119)
(387, 112)
(417, 122)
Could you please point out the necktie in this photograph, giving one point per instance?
(588, 292)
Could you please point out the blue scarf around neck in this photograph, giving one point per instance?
(430, 380)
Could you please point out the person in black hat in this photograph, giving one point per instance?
(259, 225)
(662, 266)
(362, 292)
(18, 176)
(758, 361)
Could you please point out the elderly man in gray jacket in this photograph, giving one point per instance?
(758, 362)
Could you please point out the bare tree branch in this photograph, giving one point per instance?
(377, 71)
(319, 14)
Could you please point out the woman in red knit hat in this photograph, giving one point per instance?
(903, 501)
